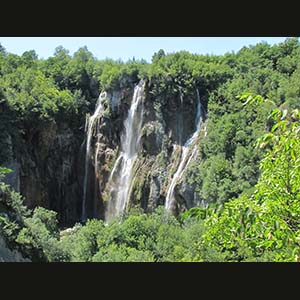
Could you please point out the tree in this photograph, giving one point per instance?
(30, 55)
(266, 224)
(158, 55)
(2, 49)
(61, 52)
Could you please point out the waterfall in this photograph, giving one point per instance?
(184, 155)
(180, 118)
(121, 175)
(90, 124)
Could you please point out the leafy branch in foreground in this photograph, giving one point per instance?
(266, 225)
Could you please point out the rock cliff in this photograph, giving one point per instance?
(48, 160)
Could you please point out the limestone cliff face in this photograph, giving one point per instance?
(168, 121)
(47, 169)
(105, 147)
(48, 161)
(10, 255)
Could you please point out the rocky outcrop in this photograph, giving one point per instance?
(168, 121)
(47, 169)
(48, 161)
(9, 255)
(168, 128)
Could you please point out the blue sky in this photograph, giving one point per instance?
(128, 47)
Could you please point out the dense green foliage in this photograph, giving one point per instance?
(228, 164)
(12, 215)
(266, 225)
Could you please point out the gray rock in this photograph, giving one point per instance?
(9, 255)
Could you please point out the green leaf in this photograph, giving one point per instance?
(275, 113)
(293, 154)
(5, 170)
(280, 125)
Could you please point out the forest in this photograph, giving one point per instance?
(238, 199)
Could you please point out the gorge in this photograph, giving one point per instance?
(127, 161)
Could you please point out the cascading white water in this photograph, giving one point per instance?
(180, 119)
(183, 160)
(121, 175)
(90, 124)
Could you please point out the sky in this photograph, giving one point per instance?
(125, 48)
